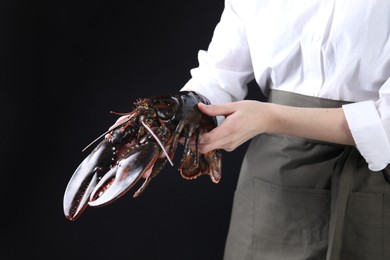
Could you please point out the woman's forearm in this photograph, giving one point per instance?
(325, 124)
(246, 119)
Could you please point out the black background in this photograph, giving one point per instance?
(64, 66)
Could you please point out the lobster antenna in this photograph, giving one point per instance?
(94, 141)
(120, 113)
(158, 141)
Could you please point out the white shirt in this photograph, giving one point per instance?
(336, 49)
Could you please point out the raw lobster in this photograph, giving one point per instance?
(140, 145)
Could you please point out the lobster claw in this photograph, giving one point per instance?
(122, 177)
(85, 178)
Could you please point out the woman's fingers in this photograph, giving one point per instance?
(217, 110)
(221, 137)
(243, 120)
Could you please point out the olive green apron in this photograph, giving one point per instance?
(304, 199)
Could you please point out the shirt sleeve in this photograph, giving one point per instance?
(225, 67)
(369, 122)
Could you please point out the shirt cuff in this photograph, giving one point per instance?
(368, 133)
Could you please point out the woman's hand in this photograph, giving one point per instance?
(244, 120)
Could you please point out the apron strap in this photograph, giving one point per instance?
(342, 184)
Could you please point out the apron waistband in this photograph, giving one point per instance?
(298, 100)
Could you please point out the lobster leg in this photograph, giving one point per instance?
(214, 160)
(209, 163)
(125, 174)
(176, 136)
(197, 139)
(189, 166)
(161, 162)
(194, 164)
(189, 170)
(187, 143)
(158, 166)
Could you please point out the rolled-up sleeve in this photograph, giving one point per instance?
(369, 122)
(225, 67)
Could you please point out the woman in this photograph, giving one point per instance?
(313, 181)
